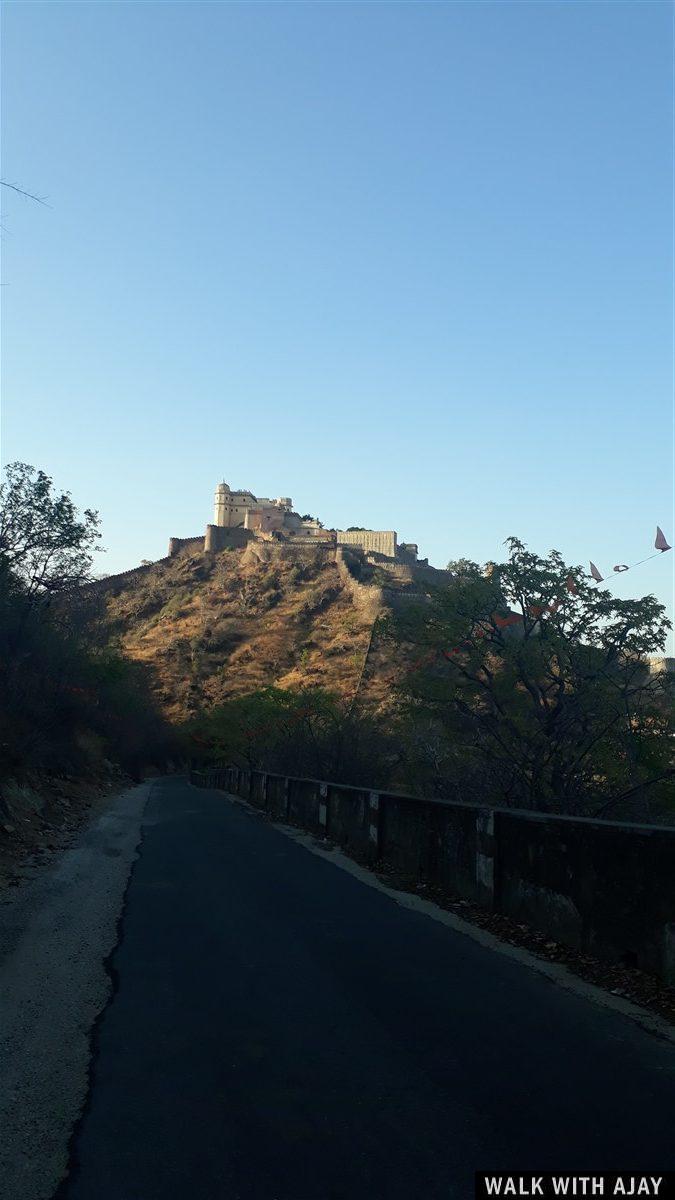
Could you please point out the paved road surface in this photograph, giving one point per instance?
(281, 1031)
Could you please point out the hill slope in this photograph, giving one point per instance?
(216, 626)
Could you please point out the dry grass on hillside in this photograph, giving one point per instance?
(216, 626)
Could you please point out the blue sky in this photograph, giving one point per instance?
(410, 264)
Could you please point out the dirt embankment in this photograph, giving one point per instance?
(39, 818)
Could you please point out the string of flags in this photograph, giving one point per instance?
(661, 546)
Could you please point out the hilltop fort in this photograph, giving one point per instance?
(240, 516)
(265, 596)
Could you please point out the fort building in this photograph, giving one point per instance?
(232, 508)
(239, 515)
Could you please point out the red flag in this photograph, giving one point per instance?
(504, 622)
(661, 543)
(595, 573)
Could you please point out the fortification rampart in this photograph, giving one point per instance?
(178, 544)
(220, 537)
(399, 599)
(433, 575)
(382, 541)
(110, 582)
(411, 572)
(367, 597)
(394, 570)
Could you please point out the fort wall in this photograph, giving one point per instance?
(110, 582)
(178, 544)
(382, 541)
(220, 537)
(367, 597)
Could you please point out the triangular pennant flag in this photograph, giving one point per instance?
(595, 573)
(504, 622)
(661, 543)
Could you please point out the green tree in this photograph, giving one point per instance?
(540, 682)
(67, 702)
(464, 567)
(45, 542)
(301, 731)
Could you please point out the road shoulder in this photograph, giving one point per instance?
(58, 930)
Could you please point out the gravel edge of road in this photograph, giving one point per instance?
(57, 934)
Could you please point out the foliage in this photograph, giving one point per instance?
(464, 567)
(58, 686)
(67, 704)
(44, 541)
(539, 684)
(303, 731)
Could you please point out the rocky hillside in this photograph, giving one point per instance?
(217, 626)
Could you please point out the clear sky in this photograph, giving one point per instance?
(408, 263)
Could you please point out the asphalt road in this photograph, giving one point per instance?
(278, 1030)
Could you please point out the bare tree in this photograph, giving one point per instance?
(27, 195)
